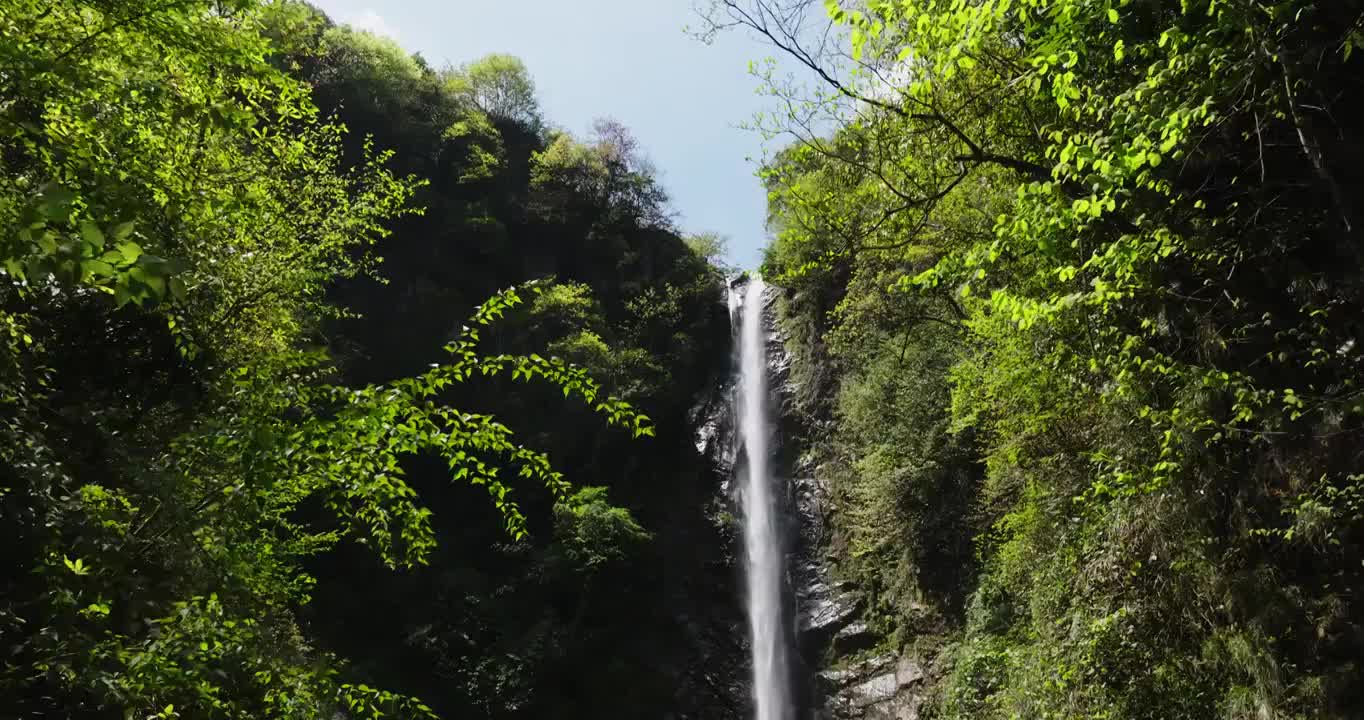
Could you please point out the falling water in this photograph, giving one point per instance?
(762, 538)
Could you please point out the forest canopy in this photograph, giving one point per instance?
(336, 384)
(1077, 284)
(226, 429)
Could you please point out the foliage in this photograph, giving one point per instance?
(490, 628)
(499, 86)
(608, 172)
(712, 248)
(1138, 217)
(594, 531)
(179, 451)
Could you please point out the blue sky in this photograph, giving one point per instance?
(626, 59)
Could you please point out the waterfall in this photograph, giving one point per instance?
(763, 550)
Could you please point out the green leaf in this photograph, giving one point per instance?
(56, 203)
(92, 234)
(130, 250)
(122, 231)
(76, 566)
(123, 294)
(96, 269)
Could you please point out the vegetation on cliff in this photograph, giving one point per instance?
(1081, 282)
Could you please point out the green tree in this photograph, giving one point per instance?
(1079, 188)
(711, 247)
(175, 443)
(499, 86)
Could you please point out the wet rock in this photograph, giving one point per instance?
(828, 613)
(836, 679)
(821, 621)
(906, 708)
(884, 687)
(854, 637)
(875, 690)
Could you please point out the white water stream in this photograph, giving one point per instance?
(761, 517)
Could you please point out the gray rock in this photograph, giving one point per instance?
(908, 671)
(876, 665)
(835, 612)
(899, 708)
(837, 681)
(878, 689)
(854, 637)
(827, 612)
(838, 678)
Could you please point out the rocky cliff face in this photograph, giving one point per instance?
(844, 676)
(840, 674)
(849, 679)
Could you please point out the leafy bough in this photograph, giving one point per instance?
(228, 496)
(345, 445)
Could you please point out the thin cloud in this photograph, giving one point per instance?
(372, 21)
